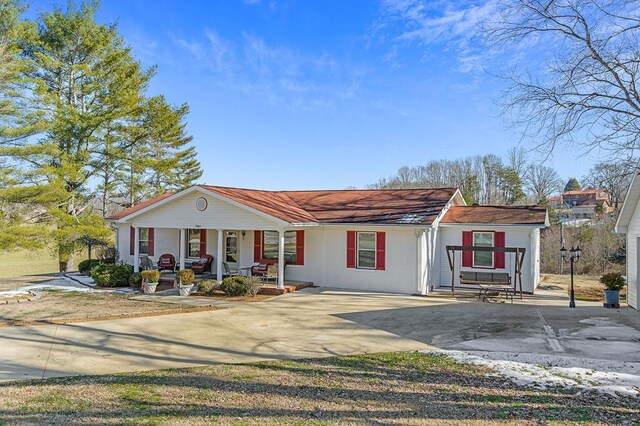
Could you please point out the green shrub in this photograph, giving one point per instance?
(87, 265)
(613, 281)
(135, 280)
(100, 274)
(152, 276)
(208, 287)
(185, 276)
(235, 286)
(119, 275)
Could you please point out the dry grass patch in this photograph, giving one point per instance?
(57, 307)
(219, 295)
(390, 388)
(586, 287)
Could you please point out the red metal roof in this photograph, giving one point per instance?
(498, 215)
(139, 206)
(375, 206)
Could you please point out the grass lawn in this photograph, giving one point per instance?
(391, 388)
(586, 287)
(19, 268)
(56, 306)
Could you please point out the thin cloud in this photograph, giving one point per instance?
(427, 23)
(275, 74)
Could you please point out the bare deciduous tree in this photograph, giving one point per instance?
(541, 181)
(588, 91)
(614, 177)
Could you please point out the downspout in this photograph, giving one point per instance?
(422, 255)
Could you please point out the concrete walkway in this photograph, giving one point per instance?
(315, 323)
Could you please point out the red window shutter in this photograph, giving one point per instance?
(203, 242)
(257, 246)
(351, 249)
(132, 241)
(467, 255)
(299, 247)
(380, 250)
(151, 235)
(498, 258)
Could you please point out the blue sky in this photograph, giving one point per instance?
(312, 94)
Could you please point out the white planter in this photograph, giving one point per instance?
(149, 288)
(185, 290)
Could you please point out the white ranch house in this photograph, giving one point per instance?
(378, 240)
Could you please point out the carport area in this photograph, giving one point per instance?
(320, 322)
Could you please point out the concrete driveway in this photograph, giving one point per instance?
(314, 323)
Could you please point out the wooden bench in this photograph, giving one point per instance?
(491, 283)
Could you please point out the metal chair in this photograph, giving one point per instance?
(227, 271)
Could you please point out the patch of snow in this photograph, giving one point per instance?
(65, 284)
(542, 370)
(83, 279)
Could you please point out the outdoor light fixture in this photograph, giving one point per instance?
(573, 257)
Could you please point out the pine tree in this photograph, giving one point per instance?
(75, 125)
(161, 159)
(81, 79)
(572, 185)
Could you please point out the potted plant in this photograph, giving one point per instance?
(150, 280)
(185, 281)
(613, 282)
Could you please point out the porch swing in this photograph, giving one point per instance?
(489, 282)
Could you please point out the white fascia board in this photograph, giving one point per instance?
(494, 225)
(378, 225)
(629, 204)
(303, 224)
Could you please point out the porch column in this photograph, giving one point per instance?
(219, 259)
(183, 243)
(281, 259)
(136, 249)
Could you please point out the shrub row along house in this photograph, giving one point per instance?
(379, 240)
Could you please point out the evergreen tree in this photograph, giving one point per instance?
(572, 185)
(160, 160)
(510, 185)
(18, 224)
(81, 79)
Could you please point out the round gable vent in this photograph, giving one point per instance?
(201, 204)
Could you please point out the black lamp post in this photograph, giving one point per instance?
(573, 258)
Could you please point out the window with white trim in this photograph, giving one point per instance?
(366, 250)
(483, 259)
(143, 240)
(270, 244)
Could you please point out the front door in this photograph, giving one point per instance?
(231, 248)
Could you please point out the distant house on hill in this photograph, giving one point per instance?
(583, 204)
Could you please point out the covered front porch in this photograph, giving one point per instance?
(234, 251)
